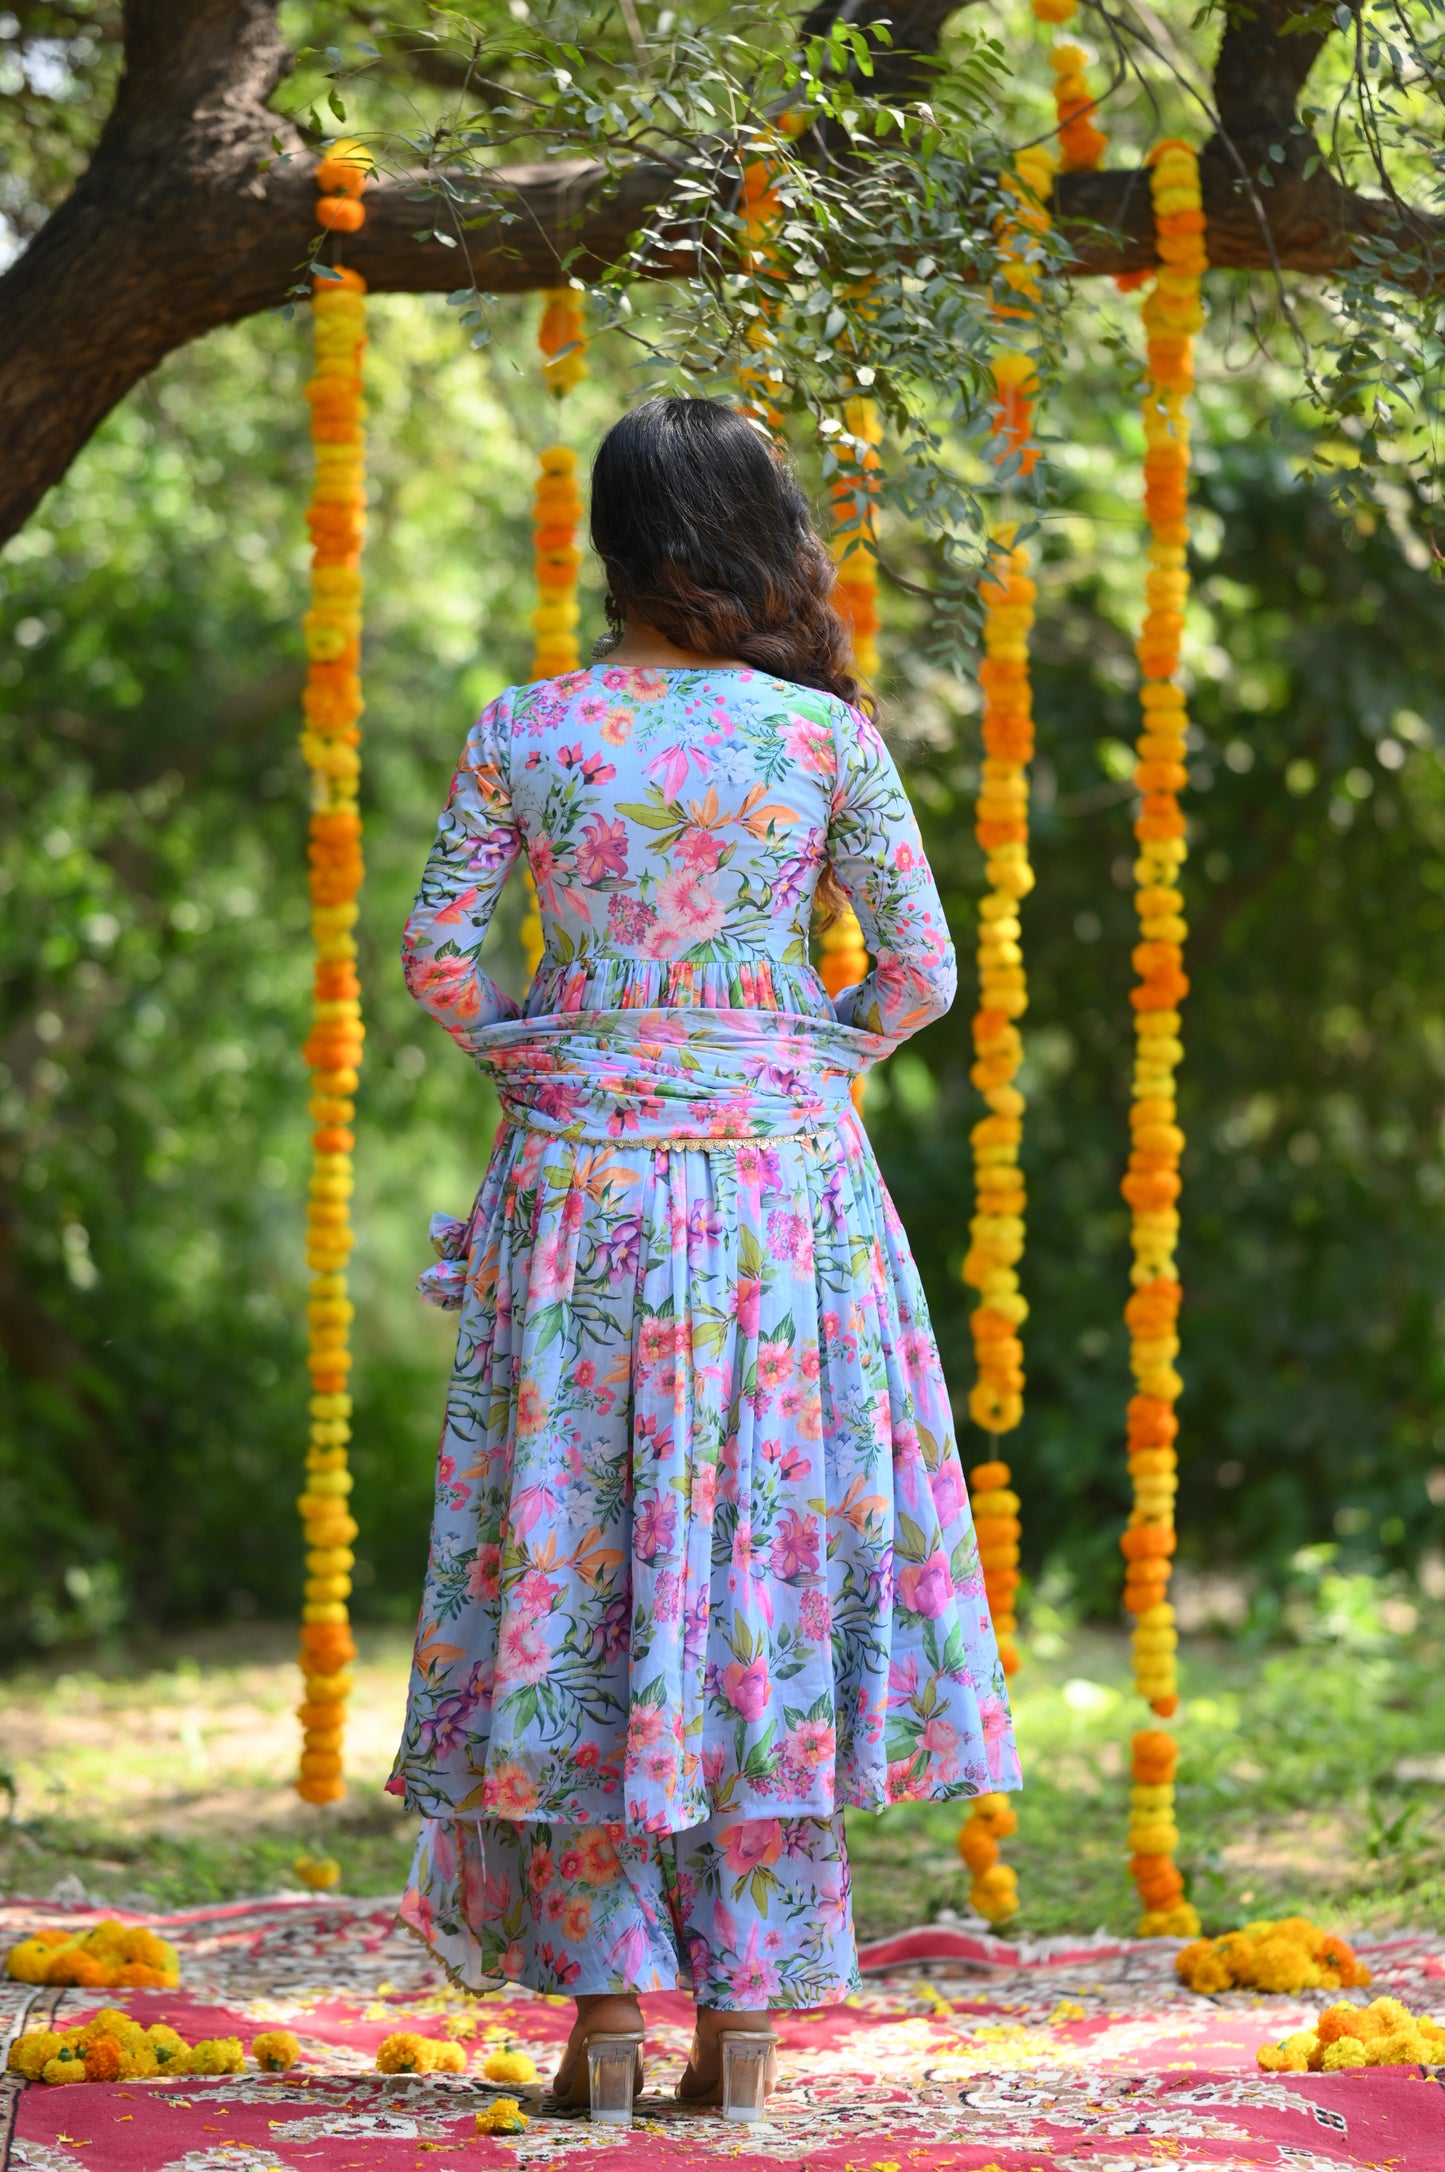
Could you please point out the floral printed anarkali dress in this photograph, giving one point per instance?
(702, 1567)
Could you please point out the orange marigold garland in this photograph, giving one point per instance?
(1172, 315)
(759, 210)
(855, 517)
(330, 742)
(1001, 826)
(557, 555)
(843, 963)
(557, 505)
(1081, 143)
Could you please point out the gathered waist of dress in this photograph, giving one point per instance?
(675, 1075)
(747, 980)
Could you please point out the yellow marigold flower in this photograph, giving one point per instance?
(216, 2055)
(139, 1944)
(508, 2065)
(29, 1962)
(1345, 2051)
(167, 2043)
(405, 2053)
(1402, 2047)
(30, 2055)
(1204, 1967)
(66, 2066)
(320, 1872)
(503, 2116)
(275, 2050)
(110, 2021)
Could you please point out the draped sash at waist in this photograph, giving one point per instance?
(675, 1076)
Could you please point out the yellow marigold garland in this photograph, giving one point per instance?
(330, 742)
(1384, 2033)
(1001, 826)
(1172, 315)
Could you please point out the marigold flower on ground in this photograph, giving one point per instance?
(510, 2065)
(409, 2053)
(1384, 2033)
(503, 2116)
(1290, 1954)
(275, 2050)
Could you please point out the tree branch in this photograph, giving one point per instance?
(174, 229)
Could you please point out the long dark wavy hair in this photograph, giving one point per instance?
(706, 536)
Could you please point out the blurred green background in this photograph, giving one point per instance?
(154, 986)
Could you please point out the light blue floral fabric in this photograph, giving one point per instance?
(744, 1913)
(702, 1547)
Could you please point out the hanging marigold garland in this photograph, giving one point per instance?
(1082, 143)
(1001, 826)
(330, 741)
(557, 505)
(1172, 315)
(842, 955)
(557, 555)
(855, 520)
(759, 211)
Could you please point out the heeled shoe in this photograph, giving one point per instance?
(611, 2061)
(747, 2074)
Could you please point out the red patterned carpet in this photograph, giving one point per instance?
(963, 2053)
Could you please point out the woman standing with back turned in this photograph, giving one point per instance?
(702, 1568)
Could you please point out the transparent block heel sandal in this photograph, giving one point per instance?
(748, 2071)
(614, 2078)
(749, 2067)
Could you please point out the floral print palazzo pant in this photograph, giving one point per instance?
(702, 1567)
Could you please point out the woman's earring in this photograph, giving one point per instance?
(607, 642)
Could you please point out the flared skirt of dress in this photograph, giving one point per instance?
(702, 1543)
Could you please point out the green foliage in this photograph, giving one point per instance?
(154, 987)
(154, 968)
(1314, 1037)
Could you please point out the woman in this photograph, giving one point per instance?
(702, 1570)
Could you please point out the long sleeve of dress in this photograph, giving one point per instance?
(476, 842)
(877, 855)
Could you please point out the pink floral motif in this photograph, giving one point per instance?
(926, 1587)
(603, 850)
(747, 1688)
(523, 1654)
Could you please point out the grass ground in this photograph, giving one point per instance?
(1312, 1778)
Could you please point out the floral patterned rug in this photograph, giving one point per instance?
(963, 2053)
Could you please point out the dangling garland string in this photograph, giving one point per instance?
(855, 526)
(1172, 315)
(557, 556)
(842, 956)
(557, 505)
(1001, 826)
(759, 210)
(330, 741)
(1081, 143)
